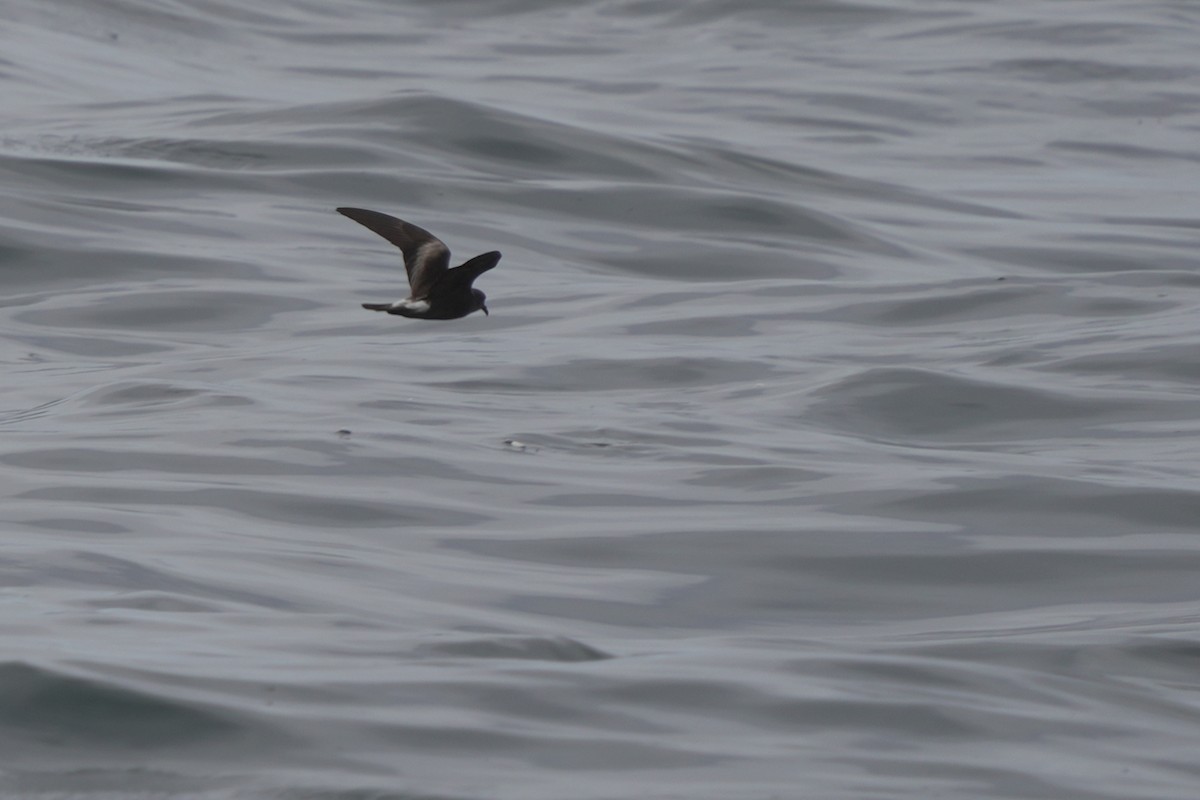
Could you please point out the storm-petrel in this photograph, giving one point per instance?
(435, 290)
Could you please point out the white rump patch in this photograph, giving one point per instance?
(408, 304)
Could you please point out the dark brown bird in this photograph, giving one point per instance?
(435, 290)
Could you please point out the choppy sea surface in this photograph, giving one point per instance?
(835, 432)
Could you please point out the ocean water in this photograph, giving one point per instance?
(834, 432)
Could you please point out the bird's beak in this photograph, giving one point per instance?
(485, 311)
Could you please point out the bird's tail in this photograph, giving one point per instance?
(377, 306)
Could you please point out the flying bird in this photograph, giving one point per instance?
(435, 290)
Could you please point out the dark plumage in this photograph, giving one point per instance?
(435, 290)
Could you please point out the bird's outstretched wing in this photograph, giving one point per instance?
(461, 277)
(426, 257)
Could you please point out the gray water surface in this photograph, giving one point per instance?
(834, 433)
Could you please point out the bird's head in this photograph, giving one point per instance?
(480, 301)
